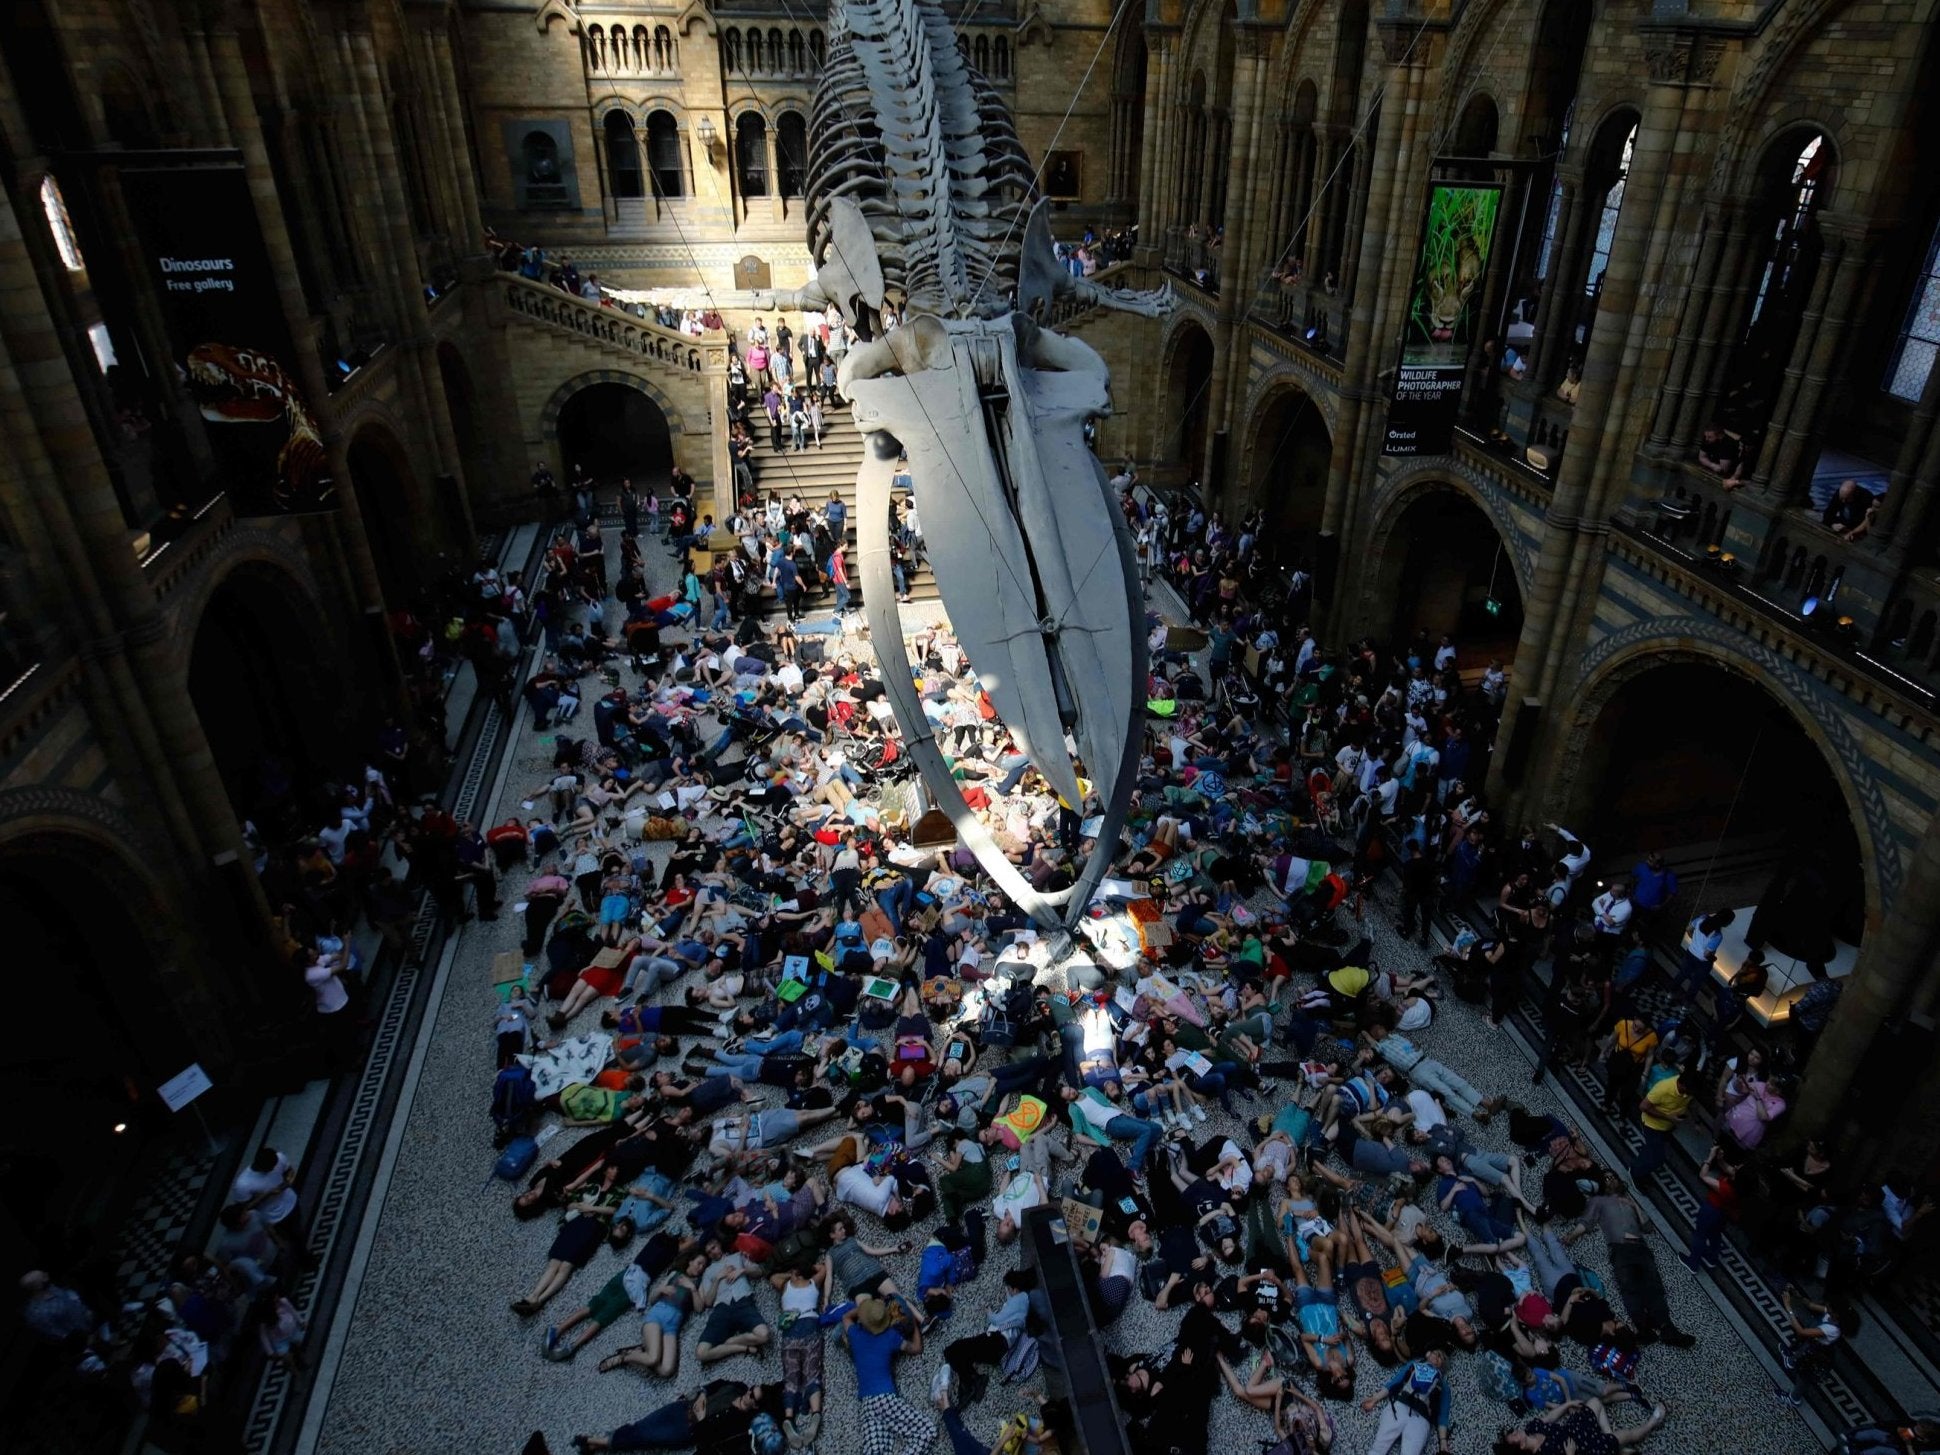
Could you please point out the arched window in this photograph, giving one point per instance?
(731, 50)
(797, 54)
(1554, 216)
(544, 187)
(1606, 222)
(980, 47)
(55, 206)
(1000, 58)
(642, 49)
(663, 48)
(755, 46)
(791, 153)
(663, 155)
(751, 154)
(1787, 266)
(818, 48)
(596, 47)
(1476, 130)
(623, 156)
(1912, 363)
(777, 51)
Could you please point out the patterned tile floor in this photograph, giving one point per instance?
(434, 1358)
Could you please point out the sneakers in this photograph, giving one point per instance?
(552, 1342)
(1199, 1113)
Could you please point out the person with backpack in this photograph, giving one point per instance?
(1003, 1336)
(1414, 1405)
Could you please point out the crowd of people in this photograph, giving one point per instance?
(822, 1073)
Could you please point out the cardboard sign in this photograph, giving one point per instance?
(1082, 1221)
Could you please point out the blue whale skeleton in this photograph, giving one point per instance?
(919, 189)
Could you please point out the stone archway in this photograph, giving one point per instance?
(1184, 413)
(611, 430)
(1284, 469)
(1611, 665)
(110, 1018)
(277, 720)
(394, 510)
(1437, 557)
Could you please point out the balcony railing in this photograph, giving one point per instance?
(1306, 313)
(1192, 257)
(610, 326)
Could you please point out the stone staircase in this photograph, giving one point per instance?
(815, 472)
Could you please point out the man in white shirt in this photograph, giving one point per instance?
(1445, 654)
(1612, 909)
(264, 1187)
(1575, 855)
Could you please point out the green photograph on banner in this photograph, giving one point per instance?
(1447, 296)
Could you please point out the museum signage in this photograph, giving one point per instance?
(1444, 312)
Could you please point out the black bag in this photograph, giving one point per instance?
(810, 653)
(762, 652)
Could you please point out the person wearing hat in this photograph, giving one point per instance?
(875, 1331)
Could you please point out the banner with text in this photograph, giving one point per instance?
(1444, 309)
(227, 335)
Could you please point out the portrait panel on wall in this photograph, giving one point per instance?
(1064, 175)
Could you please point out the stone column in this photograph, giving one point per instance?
(418, 368)
(1717, 265)
(1154, 143)
(1897, 953)
(1902, 514)
(1236, 280)
(1356, 204)
(1561, 293)
(1319, 199)
(461, 160)
(1568, 568)
(774, 179)
(1845, 267)
(444, 161)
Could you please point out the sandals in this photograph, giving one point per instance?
(524, 1308)
(617, 1358)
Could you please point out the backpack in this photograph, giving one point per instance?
(765, 1437)
(517, 1158)
(512, 1099)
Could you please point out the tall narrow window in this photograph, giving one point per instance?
(1789, 229)
(1920, 334)
(791, 153)
(1606, 222)
(55, 206)
(663, 155)
(622, 156)
(1552, 219)
(751, 154)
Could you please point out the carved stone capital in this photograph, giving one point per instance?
(1683, 60)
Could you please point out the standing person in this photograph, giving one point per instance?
(1663, 1107)
(264, 1187)
(798, 423)
(839, 578)
(629, 507)
(875, 1333)
(1811, 1342)
(815, 420)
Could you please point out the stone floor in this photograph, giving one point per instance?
(433, 1357)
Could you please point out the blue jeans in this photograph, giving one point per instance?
(897, 900)
(1707, 1234)
(841, 596)
(1657, 1146)
(1143, 1136)
(668, 1428)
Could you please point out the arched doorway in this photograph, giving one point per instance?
(276, 723)
(386, 493)
(1287, 474)
(613, 430)
(1710, 768)
(1447, 570)
(1185, 411)
(461, 404)
(105, 1036)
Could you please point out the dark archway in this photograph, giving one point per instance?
(462, 404)
(613, 431)
(82, 931)
(664, 158)
(276, 722)
(1690, 756)
(382, 478)
(1185, 411)
(1288, 473)
(623, 174)
(1449, 571)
